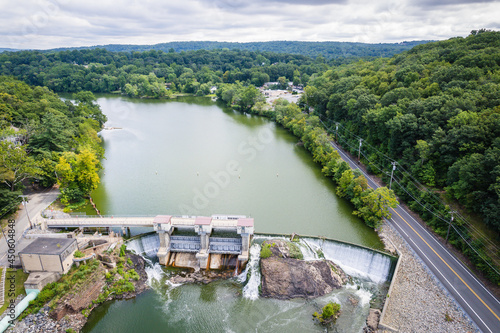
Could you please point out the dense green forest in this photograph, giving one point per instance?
(329, 50)
(435, 109)
(147, 72)
(46, 140)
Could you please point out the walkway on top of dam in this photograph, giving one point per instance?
(216, 221)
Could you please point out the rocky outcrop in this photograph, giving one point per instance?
(285, 278)
(202, 276)
(67, 313)
(372, 321)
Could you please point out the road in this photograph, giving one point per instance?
(474, 298)
(36, 203)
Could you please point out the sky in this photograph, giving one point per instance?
(45, 24)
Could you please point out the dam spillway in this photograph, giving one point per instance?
(198, 249)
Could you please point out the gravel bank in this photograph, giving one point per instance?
(41, 323)
(417, 302)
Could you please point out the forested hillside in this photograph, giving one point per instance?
(47, 140)
(147, 72)
(329, 50)
(435, 109)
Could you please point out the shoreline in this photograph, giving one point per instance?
(43, 320)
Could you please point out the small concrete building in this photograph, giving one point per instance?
(48, 255)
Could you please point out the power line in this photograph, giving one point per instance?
(346, 138)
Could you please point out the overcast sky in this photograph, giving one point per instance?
(44, 24)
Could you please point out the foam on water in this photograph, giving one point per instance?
(154, 272)
(364, 296)
(251, 289)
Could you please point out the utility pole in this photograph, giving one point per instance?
(359, 151)
(337, 132)
(449, 226)
(5, 237)
(392, 173)
(25, 204)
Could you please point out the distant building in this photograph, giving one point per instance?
(48, 255)
(269, 84)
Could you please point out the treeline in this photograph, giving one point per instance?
(154, 73)
(46, 140)
(330, 50)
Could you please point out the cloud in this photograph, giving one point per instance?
(57, 23)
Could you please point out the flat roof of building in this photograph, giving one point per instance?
(47, 245)
(162, 219)
(247, 222)
(203, 220)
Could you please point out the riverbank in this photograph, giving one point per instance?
(70, 312)
(417, 302)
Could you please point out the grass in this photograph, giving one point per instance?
(20, 279)
(295, 251)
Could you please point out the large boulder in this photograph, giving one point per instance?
(285, 278)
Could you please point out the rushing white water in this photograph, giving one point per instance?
(251, 289)
(354, 260)
(308, 252)
(154, 272)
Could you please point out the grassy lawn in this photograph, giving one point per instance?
(20, 279)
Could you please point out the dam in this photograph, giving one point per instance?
(197, 242)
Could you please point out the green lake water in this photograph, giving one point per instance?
(191, 156)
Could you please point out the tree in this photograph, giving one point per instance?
(15, 165)
(376, 204)
(247, 97)
(87, 108)
(282, 83)
(54, 133)
(77, 174)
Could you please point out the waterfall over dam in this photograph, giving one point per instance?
(353, 259)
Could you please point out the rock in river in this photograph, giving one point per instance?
(284, 277)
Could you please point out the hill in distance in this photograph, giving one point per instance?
(329, 50)
(3, 49)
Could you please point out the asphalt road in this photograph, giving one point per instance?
(36, 203)
(474, 298)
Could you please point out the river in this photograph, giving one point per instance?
(191, 156)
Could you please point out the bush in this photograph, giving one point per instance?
(265, 251)
(123, 248)
(329, 314)
(79, 254)
(133, 275)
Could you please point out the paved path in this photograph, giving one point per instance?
(36, 203)
(474, 298)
